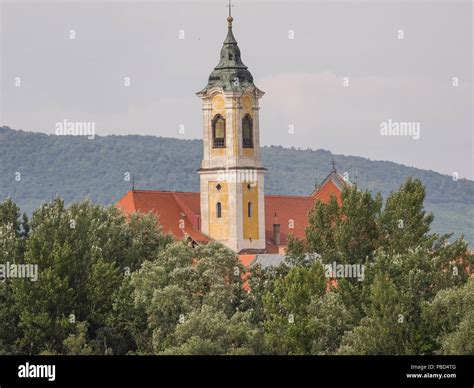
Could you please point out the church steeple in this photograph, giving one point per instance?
(231, 173)
(230, 74)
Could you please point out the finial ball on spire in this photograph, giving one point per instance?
(230, 19)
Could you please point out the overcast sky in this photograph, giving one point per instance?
(403, 80)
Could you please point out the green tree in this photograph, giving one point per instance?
(287, 321)
(356, 229)
(179, 283)
(127, 329)
(460, 342)
(208, 331)
(10, 215)
(383, 329)
(449, 318)
(84, 252)
(395, 247)
(395, 289)
(13, 234)
(76, 343)
(404, 224)
(329, 319)
(347, 233)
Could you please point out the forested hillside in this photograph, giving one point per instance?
(75, 168)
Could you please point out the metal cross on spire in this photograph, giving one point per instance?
(333, 165)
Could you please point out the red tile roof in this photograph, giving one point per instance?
(175, 209)
(332, 185)
(291, 213)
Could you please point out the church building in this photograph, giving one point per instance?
(231, 206)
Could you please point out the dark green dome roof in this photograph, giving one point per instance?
(229, 68)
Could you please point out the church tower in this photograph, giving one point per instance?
(231, 173)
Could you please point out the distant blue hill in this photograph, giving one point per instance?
(75, 168)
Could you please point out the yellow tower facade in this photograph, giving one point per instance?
(231, 173)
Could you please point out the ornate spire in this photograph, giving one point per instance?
(230, 74)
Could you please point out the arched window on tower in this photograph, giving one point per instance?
(218, 210)
(218, 132)
(249, 209)
(247, 131)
